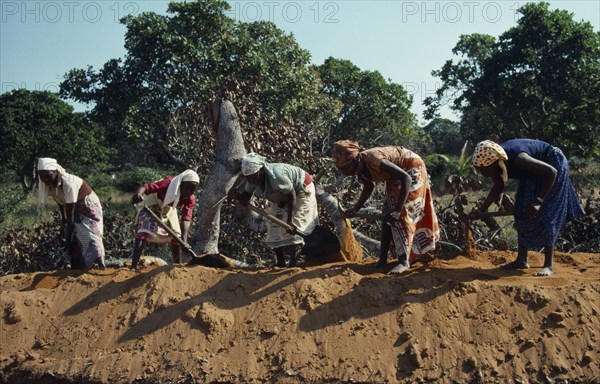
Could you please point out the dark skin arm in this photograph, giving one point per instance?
(259, 179)
(539, 168)
(494, 193)
(366, 192)
(187, 189)
(67, 212)
(68, 216)
(176, 249)
(63, 222)
(395, 173)
(544, 171)
(291, 205)
(185, 229)
(243, 197)
(405, 181)
(138, 195)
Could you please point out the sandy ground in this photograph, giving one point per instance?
(448, 320)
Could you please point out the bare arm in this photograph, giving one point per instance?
(69, 219)
(539, 168)
(544, 171)
(243, 197)
(138, 195)
(292, 201)
(185, 229)
(63, 218)
(397, 173)
(366, 192)
(494, 192)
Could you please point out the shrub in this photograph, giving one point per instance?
(102, 183)
(39, 124)
(12, 203)
(128, 181)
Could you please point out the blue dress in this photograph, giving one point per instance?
(561, 204)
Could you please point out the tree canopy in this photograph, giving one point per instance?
(373, 110)
(445, 137)
(540, 79)
(176, 64)
(39, 124)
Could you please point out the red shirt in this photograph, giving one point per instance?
(160, 188)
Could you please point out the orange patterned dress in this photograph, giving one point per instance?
(418, 228)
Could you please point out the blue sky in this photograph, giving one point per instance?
(403, 40)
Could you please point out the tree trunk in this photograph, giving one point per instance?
(230, 149)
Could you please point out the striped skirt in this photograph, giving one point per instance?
(89, 229)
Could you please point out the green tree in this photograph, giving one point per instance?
(176, 64)
(374, 111)
(112, 93)
(540, 79)
(445, 137)
(35, 124)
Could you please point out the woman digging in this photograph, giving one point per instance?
(545, 199)
(292, 196)
(409, 225)
(164, 197)
(80, 210)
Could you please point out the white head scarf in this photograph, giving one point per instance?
(252, 163)
(487, 152)
(174, 190)
(46, 164)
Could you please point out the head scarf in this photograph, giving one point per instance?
(252, 163)
(344, 151)
(174, 191)
(46, 164)
(487, 152)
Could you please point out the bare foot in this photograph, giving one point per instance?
(399, 268)
(546, 271)
(517, 264)
(381, 263)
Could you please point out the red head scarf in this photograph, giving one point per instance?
(344, 151)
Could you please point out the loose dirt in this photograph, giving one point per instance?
(350, 248)
(448, 320)
(470, 249)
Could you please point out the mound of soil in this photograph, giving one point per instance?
(448, 320)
